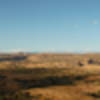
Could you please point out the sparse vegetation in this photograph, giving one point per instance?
(50, 77)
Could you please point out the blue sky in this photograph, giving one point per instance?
(50, 25)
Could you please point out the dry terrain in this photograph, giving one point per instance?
(26, 76)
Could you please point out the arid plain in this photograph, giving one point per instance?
(50, 76)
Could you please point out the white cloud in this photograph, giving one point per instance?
(95, 22)
(87, 50)
(50, 50)
(16, 50)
